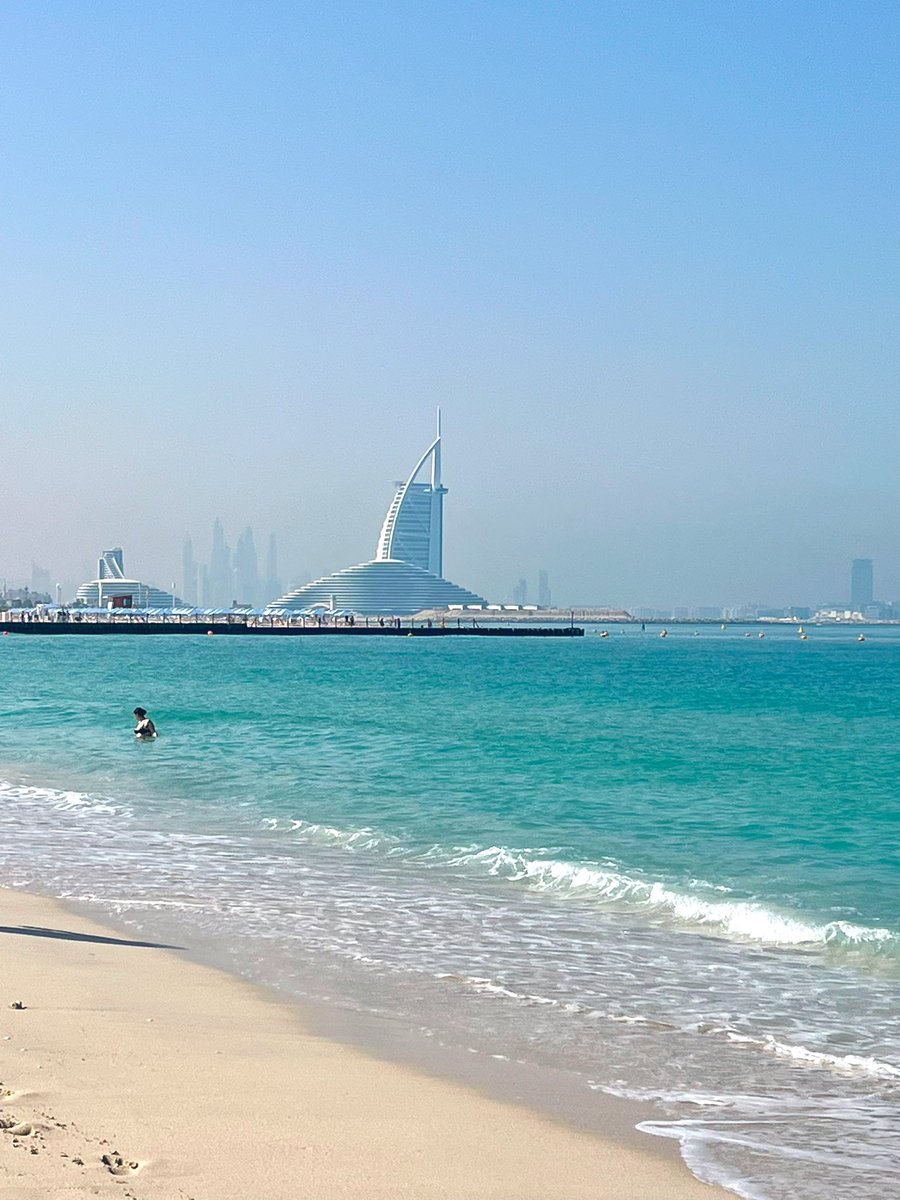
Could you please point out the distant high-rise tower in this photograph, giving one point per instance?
(189, 573)
(246, 569)
(40, 579)
(203, 594)
(111, 564)
(520, 592)
(862, 586)
(272, 585)
(221, 584)
(543, 589)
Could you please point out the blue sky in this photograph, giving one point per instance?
(645, 257)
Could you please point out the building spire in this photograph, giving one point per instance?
(436, 455)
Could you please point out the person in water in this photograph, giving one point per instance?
(145, 727)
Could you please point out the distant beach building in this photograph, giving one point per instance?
(406, 574)
(112, 589)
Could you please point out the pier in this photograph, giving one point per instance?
(239, 625)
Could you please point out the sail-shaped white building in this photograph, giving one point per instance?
(405, 575)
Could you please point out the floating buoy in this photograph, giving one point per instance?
(665, 633)
(760, 635)
(604, 633)
(861, 638)
(210, 633)
(804, 637)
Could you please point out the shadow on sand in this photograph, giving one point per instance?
(69, 935)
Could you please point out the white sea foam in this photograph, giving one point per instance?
(699, 905)
(846, 1064)
(491, 988)
(60, 799)
(742, 919)
(328, 835)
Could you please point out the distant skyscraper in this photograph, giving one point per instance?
(220, 581)
(40, 579)
(111, 564)
(272, 585)
(543, 589)
(862, 588)
(189, 573)
(246, 569)
(520, 592)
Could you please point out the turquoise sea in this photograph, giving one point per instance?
(656, 868)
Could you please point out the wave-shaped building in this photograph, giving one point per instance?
(113, 589)
(405, 576)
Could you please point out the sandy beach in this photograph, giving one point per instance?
(134, 1072)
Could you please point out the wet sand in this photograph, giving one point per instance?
(132, 1071)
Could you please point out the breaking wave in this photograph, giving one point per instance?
(63, 800)
(697, 905)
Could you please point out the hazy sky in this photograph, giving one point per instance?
(644, 255)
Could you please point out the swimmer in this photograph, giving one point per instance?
(145, 728)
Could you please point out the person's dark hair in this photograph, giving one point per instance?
(140, 712)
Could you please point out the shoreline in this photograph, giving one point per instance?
(216, 1088)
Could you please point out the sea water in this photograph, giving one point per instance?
(663, 869)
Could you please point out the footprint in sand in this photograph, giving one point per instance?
(16, 1128)
(117, 1165)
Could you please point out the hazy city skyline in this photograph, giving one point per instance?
(645, 258)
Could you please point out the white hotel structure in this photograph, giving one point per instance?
(406, 574)
(112, 587)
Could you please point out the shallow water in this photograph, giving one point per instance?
(664, 867)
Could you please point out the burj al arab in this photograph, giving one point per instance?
(406, 574)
